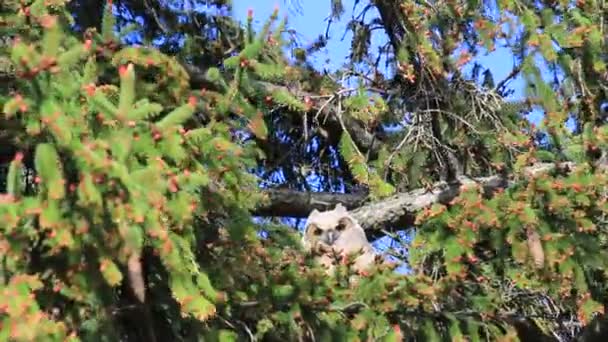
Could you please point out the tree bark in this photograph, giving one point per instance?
(293, 203)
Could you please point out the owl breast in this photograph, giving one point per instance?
(334, 233)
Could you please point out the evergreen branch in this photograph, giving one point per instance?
(365, 141)
(328, 109)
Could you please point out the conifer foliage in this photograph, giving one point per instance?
(127, 208)
(117, 176)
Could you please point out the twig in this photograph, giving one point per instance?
(251, 336)
(155, 16)
(389, 160)
(516, 69)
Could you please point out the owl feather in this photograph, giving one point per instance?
(336, 232)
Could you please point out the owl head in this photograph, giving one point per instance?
(331, 229)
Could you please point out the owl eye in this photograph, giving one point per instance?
(343, 223)
(317, 231)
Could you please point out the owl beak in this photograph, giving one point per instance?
(332, 236)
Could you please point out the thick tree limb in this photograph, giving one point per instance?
(400, 210)
(396, 211)
(293, 203)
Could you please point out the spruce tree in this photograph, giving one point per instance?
(135, 172)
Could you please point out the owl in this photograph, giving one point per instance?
(335, 232)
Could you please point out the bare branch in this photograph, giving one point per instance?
(293, 203)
